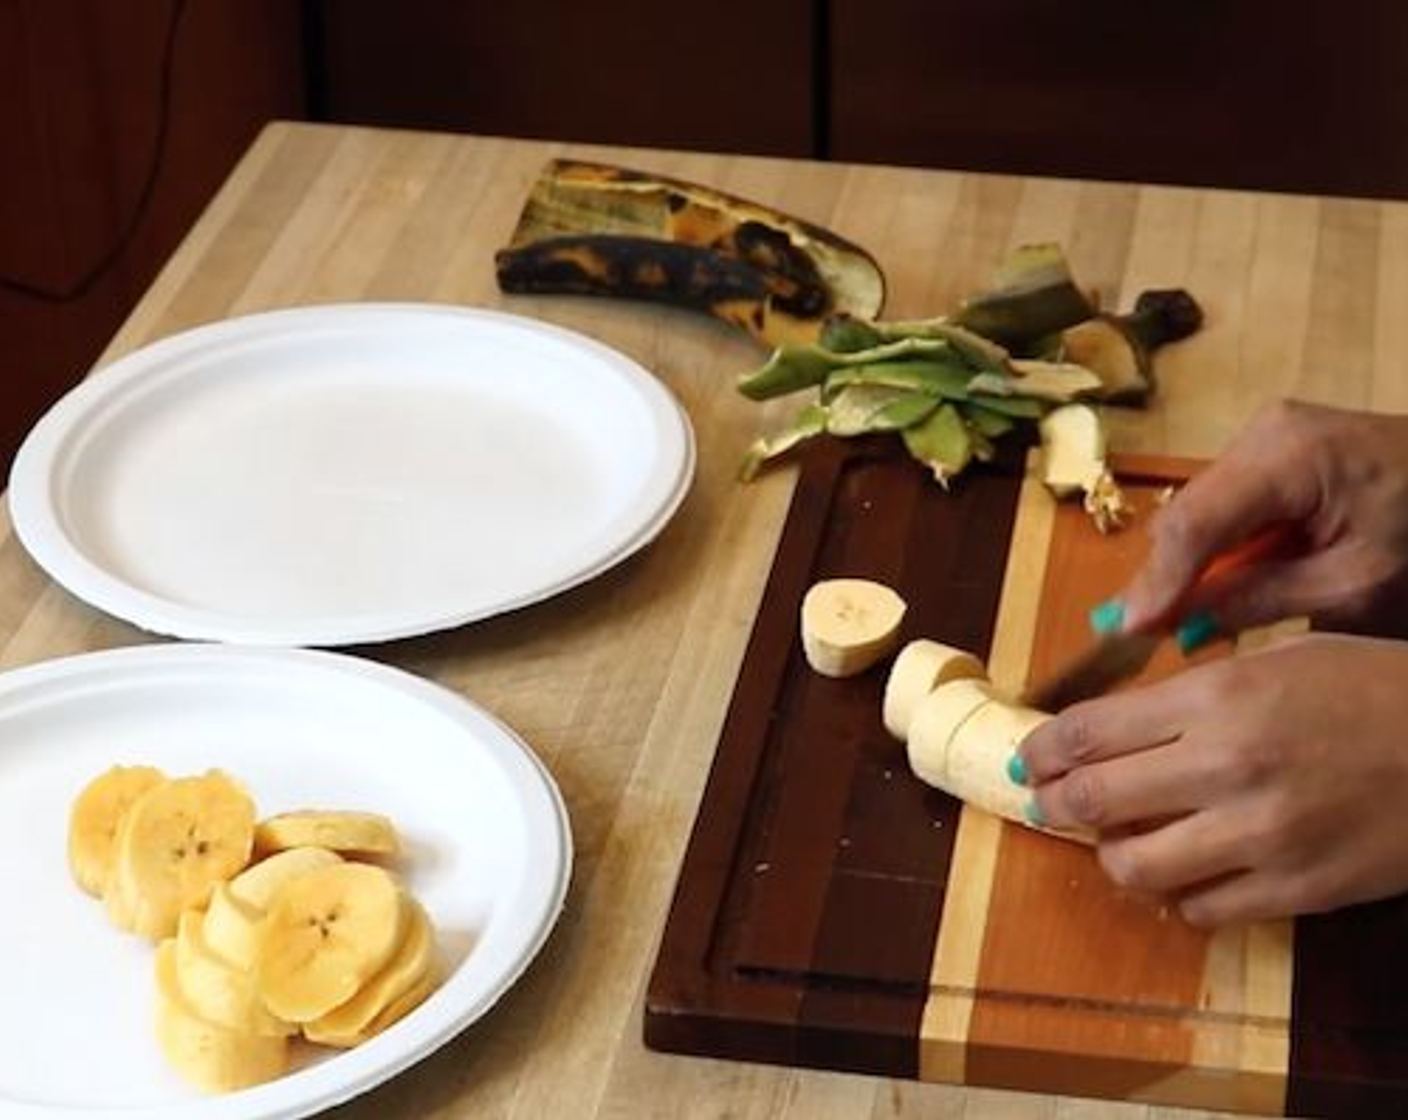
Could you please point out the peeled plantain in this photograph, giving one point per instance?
(595, 229)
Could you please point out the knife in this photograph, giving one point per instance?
(1117, 657)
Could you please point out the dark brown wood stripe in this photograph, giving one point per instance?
(1349, 1042)
(695, 1002)
(811, 836)
(823, 730)
(885, 896)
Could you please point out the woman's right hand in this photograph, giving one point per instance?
(1338, 477)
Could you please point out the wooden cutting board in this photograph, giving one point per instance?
(832, 911)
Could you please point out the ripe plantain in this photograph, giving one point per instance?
(325, 934)
(176, 842)
(211, 1057)
(352, 1022)
(93, 821)
(339, 830)
(595, 229)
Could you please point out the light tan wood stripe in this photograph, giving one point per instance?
(958, 953)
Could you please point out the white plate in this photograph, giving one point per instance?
(489, 853)
(349, 473)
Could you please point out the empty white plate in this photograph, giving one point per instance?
(488, 853)
(349, 473)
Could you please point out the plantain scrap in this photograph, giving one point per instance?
(596, 229)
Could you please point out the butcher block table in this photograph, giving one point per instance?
(844, 943)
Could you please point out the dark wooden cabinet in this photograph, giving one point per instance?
(727, 75)
(1256, 94)
(81, 85)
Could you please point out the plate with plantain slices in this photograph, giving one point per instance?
(250, 884)
(341, 474)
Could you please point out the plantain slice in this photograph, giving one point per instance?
(597, 229)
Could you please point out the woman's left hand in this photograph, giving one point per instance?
(1257, 786)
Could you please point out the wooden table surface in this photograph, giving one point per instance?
(621, 686)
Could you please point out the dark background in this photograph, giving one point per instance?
(119, 120)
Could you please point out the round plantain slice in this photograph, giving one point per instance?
(347, 831)
(326, 933)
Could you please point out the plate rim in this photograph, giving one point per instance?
(41, 529)
(266, 1101)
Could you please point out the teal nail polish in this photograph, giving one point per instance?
(1017, 769)
(1032, 811)
(1196, 631)
(1108, 617)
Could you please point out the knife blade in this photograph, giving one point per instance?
(1095, 671)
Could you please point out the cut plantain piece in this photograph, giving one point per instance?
(325, 934)
(94, 819)
(347, 831)
(920, 668)
(849, 624)
(389, 1015)
(597, 229)
(257, 884)
(348, 1024)
(210, 1057)
(216, 991)
(1072, 449)
(961, 738)
(176, 842)
(1073, 462)
(231, 928)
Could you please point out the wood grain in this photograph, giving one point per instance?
(1078, 986)
(622, 686)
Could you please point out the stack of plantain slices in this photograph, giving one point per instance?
(951, 386)
(595, 229)
(265, 929)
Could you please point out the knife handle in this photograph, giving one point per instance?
(1279, 541)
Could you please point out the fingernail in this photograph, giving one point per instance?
(1196, 631)
(1108, 617)
(1032, 811)
(1017, 769)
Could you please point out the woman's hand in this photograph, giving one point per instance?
(1340, 478)
(1261, 785)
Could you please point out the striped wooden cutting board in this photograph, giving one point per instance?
(834, 912)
